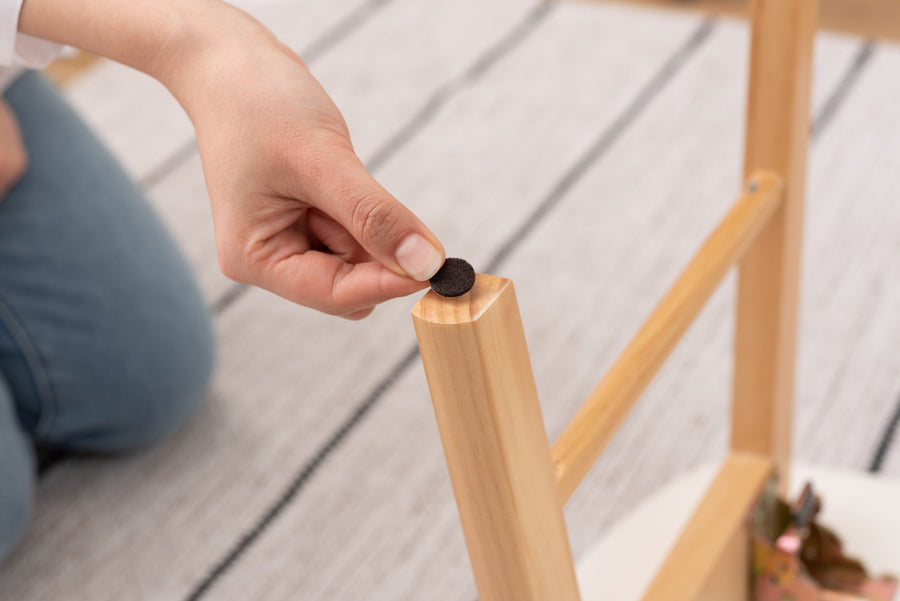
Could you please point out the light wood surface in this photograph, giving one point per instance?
(869, 18)
(581, 443)
(487, 409)
(709, 560)
(727, 580)
(768, 288)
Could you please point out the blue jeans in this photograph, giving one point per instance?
(105, 341)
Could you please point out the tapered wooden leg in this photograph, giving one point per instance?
(777, 139)
(486, 404)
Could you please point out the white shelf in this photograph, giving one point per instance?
(862, 510)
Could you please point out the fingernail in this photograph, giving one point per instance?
(418, 258)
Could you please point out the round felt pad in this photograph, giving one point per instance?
(455, 278)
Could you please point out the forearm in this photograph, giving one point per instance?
(294, 209)
(167, 39)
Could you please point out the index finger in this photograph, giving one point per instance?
(329, 284)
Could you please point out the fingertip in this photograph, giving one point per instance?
(382, 225)
(418, 257)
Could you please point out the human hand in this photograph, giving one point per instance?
(295, 211)
(13, 157)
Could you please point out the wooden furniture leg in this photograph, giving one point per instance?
(777, 139)
(486, 404)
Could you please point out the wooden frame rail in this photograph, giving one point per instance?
(583, 440)
(778, 117)
(509, 494)
(711, 558)
(510, 486)
(878, 19)
(485, 401)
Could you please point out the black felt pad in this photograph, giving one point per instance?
(455, 278)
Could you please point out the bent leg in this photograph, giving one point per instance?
(105, 339)
(17, 473)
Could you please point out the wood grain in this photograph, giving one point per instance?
(487, 409)
(869, 18)
(708, 563)
(601, 415)
(768, 287)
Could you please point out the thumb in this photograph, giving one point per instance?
(382, 225)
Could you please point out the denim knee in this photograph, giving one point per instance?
(114, 379)
(105, 338)
(128, 389)
(156, 397)
(184, 370)
(16, 499)
(17, 478)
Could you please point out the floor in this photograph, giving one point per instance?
(582, 150)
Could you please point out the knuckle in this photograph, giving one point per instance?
(312, 156)
(239, 260)
(226, 266)
(229, 265)
(373, 217)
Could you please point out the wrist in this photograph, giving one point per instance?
(204, 44)
(174, 41)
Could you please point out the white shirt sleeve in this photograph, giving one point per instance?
(18, 49)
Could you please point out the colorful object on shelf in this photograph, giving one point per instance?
(796, 559)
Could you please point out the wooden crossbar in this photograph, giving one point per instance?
(711, 558)
(584, 439)
(878, 19)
